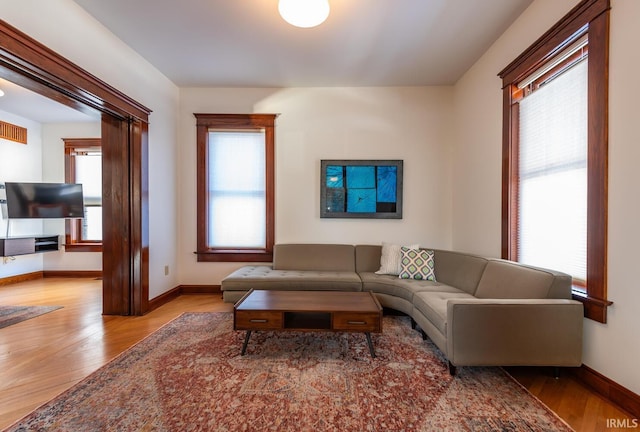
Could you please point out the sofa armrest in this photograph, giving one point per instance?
(525, 332)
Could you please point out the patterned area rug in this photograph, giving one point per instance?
(189, 376)
(10, 315)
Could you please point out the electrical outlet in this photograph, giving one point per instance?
(166, 270)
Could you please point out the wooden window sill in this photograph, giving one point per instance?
(83, 247)
(594, 308)
(235, 255)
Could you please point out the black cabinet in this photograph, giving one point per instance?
(28, 245)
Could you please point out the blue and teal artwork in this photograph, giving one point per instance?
(361, 189)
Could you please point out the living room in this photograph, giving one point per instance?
(449, 136)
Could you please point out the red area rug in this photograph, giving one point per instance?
(189, 376)
(10, 315)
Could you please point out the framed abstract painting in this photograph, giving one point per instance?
(361, 189)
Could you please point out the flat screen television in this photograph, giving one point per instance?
(44, 200)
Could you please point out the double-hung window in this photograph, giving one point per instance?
(83, 164)
(554, 207)
(235, 187)
(552, 165)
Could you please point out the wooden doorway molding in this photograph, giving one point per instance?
(125, 257)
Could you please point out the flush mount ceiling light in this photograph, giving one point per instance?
(304, 13)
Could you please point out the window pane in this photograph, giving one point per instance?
(552, 223)
(237, 195)
(92, 224)
(89, 173)
(237, 221)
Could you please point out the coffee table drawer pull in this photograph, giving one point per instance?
(257, 320)
(356, 321)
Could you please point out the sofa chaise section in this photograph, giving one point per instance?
(319, 267)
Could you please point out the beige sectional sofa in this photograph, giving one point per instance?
(478, 311)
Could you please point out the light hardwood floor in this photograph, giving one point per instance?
(42, 357)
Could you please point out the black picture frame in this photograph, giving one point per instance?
(370, 189)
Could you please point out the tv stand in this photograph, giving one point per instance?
(12, 246)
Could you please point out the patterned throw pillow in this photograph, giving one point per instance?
(417, 264)
(390, 258)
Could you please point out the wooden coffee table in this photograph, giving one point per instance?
(308, 311)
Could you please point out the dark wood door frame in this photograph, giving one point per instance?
(125, 256)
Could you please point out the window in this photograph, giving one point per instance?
(83, 164)
(235, 174)
(555, 148)
(552, 169)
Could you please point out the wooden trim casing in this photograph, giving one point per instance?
(125, 192)
(32, 65)
(204, 123)
(138, 133)
(510, 169)
(73, 227)
(551, 42)
(116, 298)
(598, 169)
(593, 14)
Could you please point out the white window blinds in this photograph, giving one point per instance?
(237, 189)
(552, 201)
(89, 173)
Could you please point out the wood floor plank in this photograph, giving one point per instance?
(44, 356)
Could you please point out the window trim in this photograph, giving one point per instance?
(593, 14)
(204, 123)
(73, 227)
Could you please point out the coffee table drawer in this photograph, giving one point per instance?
(254, 320)
(366, 322)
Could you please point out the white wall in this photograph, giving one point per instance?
(412, 124)
(67, 29)
(53, 171)
(611, 348)
(20, 163)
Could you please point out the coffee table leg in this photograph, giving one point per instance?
(373, 353)
(246, 341)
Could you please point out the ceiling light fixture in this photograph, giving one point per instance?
(1, 93)
(304, 13)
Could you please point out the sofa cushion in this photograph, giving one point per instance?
(391, 258)
(448, 269)
(368, 258)
(319, 257)
(264, 277)
(417, 264)
(403, 288)
(509, 280)
(433, 305)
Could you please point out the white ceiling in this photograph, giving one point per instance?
(245, 43)
(25, 103)
(363, 42)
